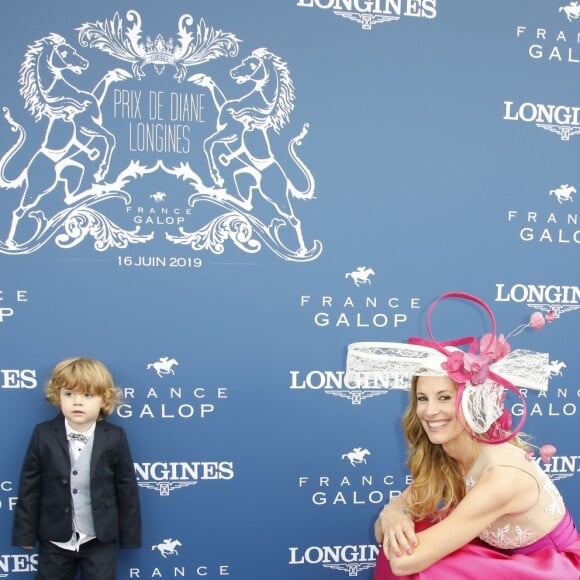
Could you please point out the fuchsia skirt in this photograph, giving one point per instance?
(554, 557)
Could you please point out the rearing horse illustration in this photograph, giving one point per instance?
(242, 128)
(75, 134)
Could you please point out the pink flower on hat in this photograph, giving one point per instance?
(464, 367)
(477, 366)
(495, 347)
(454, 367)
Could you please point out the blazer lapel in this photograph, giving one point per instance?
(60, 434)
(99, 443)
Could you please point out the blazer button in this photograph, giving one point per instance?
(64, 480)
(66, 510)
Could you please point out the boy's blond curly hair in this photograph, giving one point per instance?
(84, 375)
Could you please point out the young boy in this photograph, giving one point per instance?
(78, 492)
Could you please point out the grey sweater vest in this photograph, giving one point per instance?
(80, 487)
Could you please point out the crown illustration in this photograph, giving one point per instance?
(159, 49)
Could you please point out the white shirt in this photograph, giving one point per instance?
(75, 446)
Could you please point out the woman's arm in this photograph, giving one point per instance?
(395, 526)
(502, 490)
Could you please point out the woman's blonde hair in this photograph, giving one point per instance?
(438, 484)
(84, 375)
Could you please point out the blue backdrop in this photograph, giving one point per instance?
(216, 198)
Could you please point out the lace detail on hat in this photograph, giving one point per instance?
(484, 370)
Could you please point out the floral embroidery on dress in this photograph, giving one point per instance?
(504, 540)
(513, 531)
(556, 506)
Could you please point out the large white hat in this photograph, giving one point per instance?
(483, 377)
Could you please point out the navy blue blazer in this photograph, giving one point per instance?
(44, 507)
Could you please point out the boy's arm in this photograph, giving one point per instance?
(127, 497)
(25, 527)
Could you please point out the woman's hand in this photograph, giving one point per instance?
(395, 530)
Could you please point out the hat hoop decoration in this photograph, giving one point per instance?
(484, 371)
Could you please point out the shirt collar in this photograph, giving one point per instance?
(88, 433)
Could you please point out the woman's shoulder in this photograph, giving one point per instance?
(502, 454)
(513, 453)
(494, 458)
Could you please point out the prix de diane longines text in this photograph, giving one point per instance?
(159, 121)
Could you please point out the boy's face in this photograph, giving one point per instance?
(81, 410)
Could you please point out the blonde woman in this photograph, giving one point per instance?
(479, 506)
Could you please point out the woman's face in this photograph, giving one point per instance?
(435, 399)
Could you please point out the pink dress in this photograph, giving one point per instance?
(553, 557)
(541, 544)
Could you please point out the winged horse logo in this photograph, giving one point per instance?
(366, 20)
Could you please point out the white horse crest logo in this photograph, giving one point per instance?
(164, 366)
(356, 456)
(563, 193)
(361, 275)
(158, 196)
(555, 368)
(572, 11)
(167, 547)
